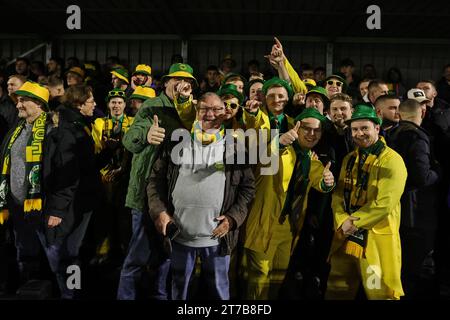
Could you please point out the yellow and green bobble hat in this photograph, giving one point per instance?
(181, 70)
(143, 93)
(143, 69)
(34, 90)
(279, 82)
(121, 73)
(232, 90)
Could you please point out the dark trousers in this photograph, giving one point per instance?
(418, 279)
(139, 255)
(30, 237)
(3, 259)
(214, 268)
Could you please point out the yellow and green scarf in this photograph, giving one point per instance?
(115, 127)
(206, 138)
(33, 165)
(356, 243)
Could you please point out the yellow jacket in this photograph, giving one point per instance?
(380, 215)
(100, 125)
(271, 190)
(297, 84)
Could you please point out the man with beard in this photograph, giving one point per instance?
(268, 234)
(387, 109)
(366, 204)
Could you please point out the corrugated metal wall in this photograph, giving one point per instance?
(416, 61)
(10, 48)
(156, 53)
(205, 52)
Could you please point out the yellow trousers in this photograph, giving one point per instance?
(346, 275)
(266, 268)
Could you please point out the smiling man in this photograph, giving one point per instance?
(107, 134)
(268, 234)
(42, 187)
(366, 204)
(209, 212)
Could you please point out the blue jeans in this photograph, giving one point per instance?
(214, 267)
(138, 256)
(30, 236)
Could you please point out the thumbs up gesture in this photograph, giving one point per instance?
(156, 134)
(290, 136)
(327, 176)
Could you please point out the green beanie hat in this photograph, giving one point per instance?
(310, 113)
(275, 81)
(232, 90)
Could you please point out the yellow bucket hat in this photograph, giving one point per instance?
(144, 69)
(34, 90)
(143, 92)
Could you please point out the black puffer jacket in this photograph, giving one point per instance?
(419, 198)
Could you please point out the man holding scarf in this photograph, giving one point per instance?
(366, 205)
(38, 181)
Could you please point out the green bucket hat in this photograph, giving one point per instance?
(310, 113)
(121, 73)
(363, 111)
(232, 90)
(322, 92)
(280, 82)
(116, 93)
(338, 77)
(181, 70)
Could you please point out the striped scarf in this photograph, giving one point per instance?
(33, 164)
(206, 138)
(356, 243)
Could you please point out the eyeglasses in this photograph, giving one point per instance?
(334, 82)
(215, 110)
(306, 130)
(116, 94)
(231, 105)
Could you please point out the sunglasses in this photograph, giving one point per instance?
(336, 82)
(116, 94)
(231, 105)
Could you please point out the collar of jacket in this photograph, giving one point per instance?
(166, 100)
(71, 115)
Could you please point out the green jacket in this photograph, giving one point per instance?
(171, 116)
